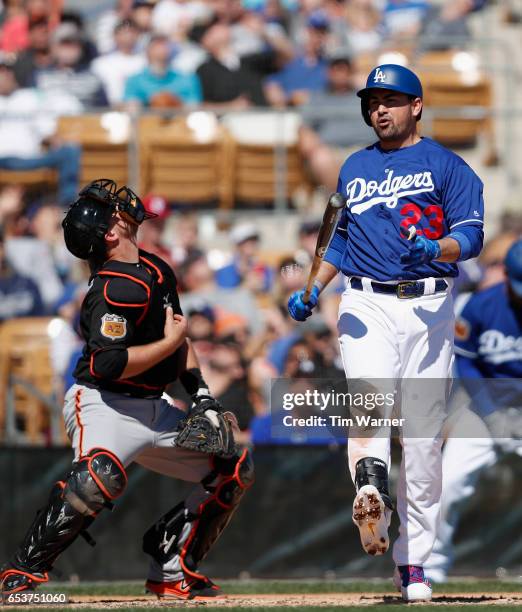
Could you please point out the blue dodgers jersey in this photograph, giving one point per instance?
(489, 331)
(424, 185)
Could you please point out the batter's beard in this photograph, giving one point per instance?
(390, 133)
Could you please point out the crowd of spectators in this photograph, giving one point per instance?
(230, 54)
(178, 54)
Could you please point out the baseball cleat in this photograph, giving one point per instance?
(412, 583)
(373, 519)
(15, 581)
(187, 588)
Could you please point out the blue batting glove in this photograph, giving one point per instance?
(421, 251)
(299, 311)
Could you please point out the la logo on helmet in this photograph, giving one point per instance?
(379, 77)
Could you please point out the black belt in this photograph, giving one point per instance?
(403, 289)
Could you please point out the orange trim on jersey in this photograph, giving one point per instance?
(124, 381)
(154, 267)
(91, 366)
(136, 280)
(78, 410)
(123, 304)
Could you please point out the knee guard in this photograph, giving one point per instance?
(181, 539)
(373, 471)
(93, 483)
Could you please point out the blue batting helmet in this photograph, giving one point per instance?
(389, 76)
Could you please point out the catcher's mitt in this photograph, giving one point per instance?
(207, 429)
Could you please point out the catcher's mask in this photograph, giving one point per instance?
(88, 219)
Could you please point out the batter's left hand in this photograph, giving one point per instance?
(421, 251)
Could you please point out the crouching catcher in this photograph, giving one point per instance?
(117, 412)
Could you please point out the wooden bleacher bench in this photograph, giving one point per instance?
(181, 167)
(445, 87)
(28, 389)
(28, 178)
(104, 152)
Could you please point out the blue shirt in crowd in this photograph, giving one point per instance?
(144, 85)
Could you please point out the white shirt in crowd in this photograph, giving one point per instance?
(28, 117)
(114, 69)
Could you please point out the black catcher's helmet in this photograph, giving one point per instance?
(87, 220)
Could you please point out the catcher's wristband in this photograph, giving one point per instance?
(193, 382)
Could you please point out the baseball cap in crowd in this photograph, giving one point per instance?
(311, 226)
(243, 232)
(202, 308)
(318, 20)
(67, 32)
(513, 264)
(157, 205)
(139, 3)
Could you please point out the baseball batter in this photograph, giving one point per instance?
(413, 209)
(488, 347)
(116, 413)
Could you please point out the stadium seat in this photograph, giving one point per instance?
(105, 142)
(27, 383)
(28, 178)
(258, 168)
(186, 161)
(445, 87)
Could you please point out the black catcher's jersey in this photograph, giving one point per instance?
(124, 307)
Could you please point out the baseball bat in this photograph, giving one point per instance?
(328, 225)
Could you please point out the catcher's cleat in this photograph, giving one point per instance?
(372, 518)
(187, 588)
(411, 582)
(14, 581)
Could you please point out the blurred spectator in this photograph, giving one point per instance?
(307, 241)
(107, 21)
(262, 42)
(492, 257)
(334, 113)
(37, 55)
(159, 85)
(31, 248)
(196, 276)
(185, 238)
(202, 320)
(307, 72)
(68, 73)
(245, 266)
(360, 30)
(27, 122)
(142, 11)
(114, 68)
(226, 78)
(19, 295)
(18, 14)
(174, 17)
(444, 23)
(150, 234)
(403, 18)
(89, 50)
(226, 378)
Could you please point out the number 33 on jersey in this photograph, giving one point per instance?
(424, 185)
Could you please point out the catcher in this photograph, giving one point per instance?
(117, 413)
